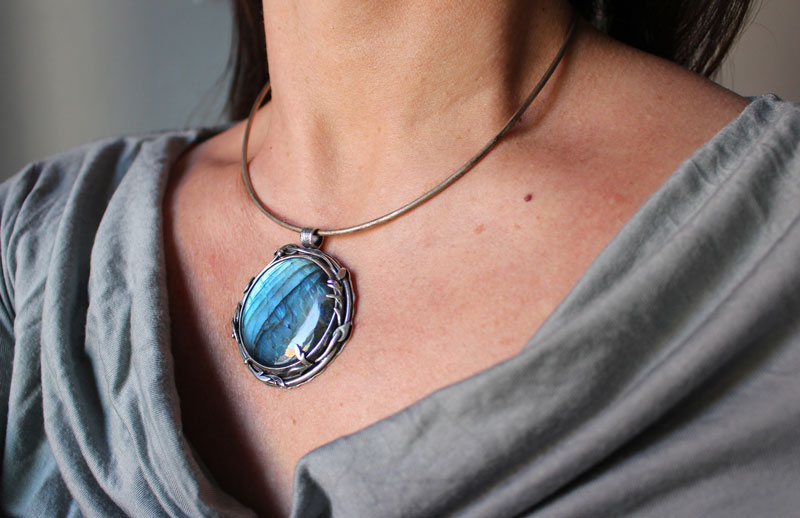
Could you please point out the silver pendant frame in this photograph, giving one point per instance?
(306, 365)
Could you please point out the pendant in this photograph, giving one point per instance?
(295, 316)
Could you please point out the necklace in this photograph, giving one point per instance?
(296, 315)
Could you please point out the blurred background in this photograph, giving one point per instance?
(78, 70)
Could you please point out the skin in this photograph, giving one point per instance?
(373, 104)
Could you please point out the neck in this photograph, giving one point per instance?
(395, 88)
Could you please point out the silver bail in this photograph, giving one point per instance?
(309, 238)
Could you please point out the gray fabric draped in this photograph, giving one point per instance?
(667, 383)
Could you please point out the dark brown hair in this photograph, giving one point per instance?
(696, 34)
(248, 59)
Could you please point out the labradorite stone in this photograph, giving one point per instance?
(286, 305)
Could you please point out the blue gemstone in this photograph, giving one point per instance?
(287, 305)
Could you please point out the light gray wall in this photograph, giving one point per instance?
(72, 71)
(767, 56)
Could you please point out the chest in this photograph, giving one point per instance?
(423, 319)
(426, 316)
(442, 294)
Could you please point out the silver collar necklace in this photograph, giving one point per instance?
(297, 314)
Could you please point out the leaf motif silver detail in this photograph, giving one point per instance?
(309, 363)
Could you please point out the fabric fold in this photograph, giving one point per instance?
(664, 384)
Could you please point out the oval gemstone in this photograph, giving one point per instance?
(286, 305)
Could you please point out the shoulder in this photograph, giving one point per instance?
(635, 117)
(637, 103)
(68, 193)
(52, 181)
(772, 122)
(42, 188)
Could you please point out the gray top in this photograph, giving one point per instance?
(667, 383)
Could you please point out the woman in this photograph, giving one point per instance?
(599, 319)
